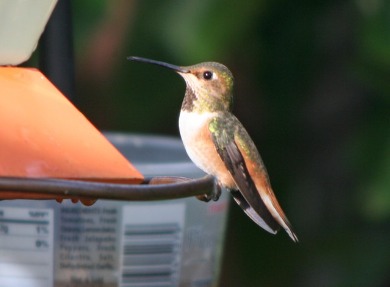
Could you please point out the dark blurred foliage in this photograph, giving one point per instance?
(312, 81)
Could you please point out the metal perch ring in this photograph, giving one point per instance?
(155, 188)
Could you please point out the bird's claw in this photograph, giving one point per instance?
(213, 196)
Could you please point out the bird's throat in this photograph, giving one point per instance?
(188, 101)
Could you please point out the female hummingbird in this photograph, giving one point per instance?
(217, 142)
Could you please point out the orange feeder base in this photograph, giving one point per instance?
(42, 135)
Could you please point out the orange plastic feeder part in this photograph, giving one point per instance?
(42, 135)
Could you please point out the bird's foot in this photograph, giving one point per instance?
(213, 196)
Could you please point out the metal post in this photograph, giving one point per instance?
(56, 58)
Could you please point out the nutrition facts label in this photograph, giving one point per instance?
(26, 247)
(110, 244)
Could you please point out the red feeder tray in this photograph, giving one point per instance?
(42, 135)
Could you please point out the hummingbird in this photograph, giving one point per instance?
(217, 142)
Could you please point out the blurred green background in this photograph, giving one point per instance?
(312, 87)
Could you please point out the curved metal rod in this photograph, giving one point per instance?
(156, 188)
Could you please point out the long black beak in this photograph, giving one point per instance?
(154, 62)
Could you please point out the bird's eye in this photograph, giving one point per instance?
(207, 75)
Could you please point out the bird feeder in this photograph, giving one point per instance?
(50, 150)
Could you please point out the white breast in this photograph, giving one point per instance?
(191, 125)
(199, 146)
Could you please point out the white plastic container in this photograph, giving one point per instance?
(112, 243)
(21, 24)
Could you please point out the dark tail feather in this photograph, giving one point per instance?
(271, 226)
